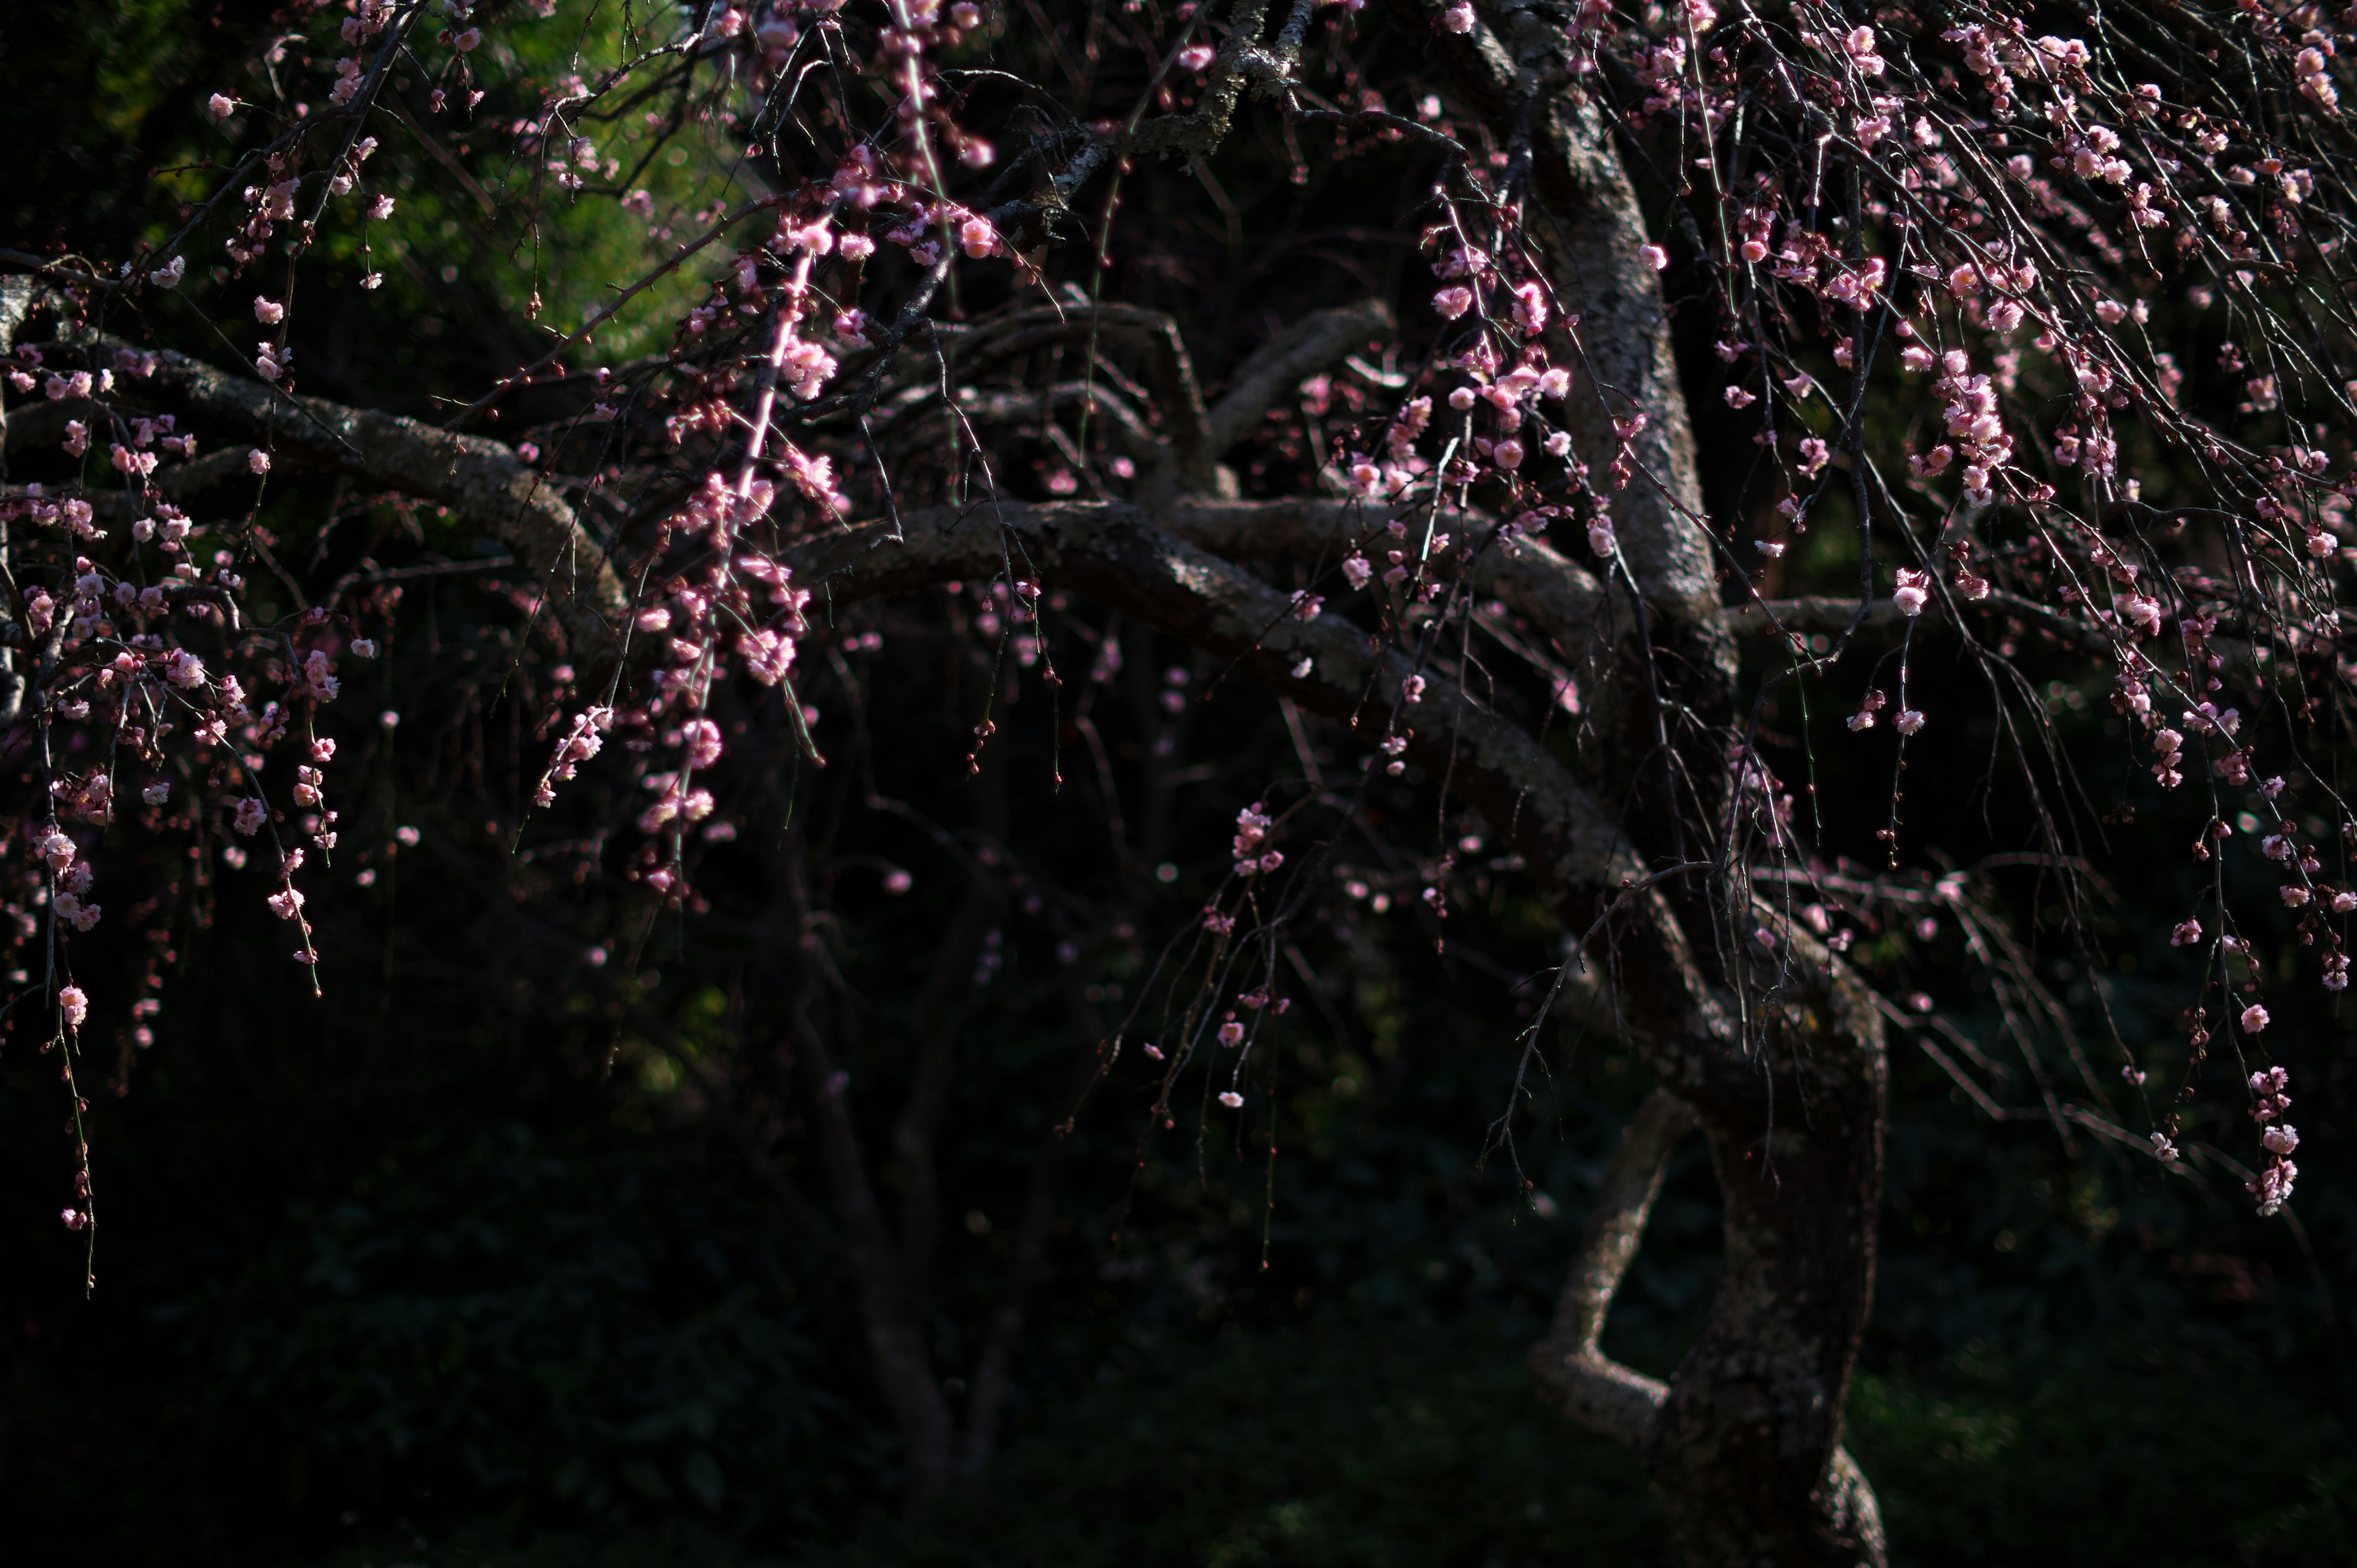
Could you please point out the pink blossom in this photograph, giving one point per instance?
(1907, 721)
(767, 655)
(221, 105)
(1914, 591)
(257, 461)
(1739, 397)
(1459, 18)
(286, 903)
(2255, 1018)
(1653, 256)
(250, 814)
(269, 312)
(1232, 1099)
(701, 739)
(2186, 934)
(2273, 1189)
(1195, 56)
(977, 237)
(75, 1002)
(1453, 302)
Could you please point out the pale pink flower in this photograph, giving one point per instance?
(1914, 591)
(75, 1004)
(1459, 18)
(2255, 1018)
(1653, 256)
(1453, 302)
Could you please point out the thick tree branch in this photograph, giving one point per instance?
(1532, 577)
(479, 479)
(1569, 1363)
(1112, 551)
(1277, 366)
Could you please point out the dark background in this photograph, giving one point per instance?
(453, 1267)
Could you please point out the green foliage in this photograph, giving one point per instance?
(2169, 1447)
(542, 1321)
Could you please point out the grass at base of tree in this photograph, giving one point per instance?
(1384, 1445)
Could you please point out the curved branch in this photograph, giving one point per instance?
(1534, 579)
(1177, 392)
(482, 480)
(1571, 1367)
(1302, 350)
(1114, 550)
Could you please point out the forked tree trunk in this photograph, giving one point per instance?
(1783, 1069)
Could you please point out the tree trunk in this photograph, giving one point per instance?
(1780, 1062)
